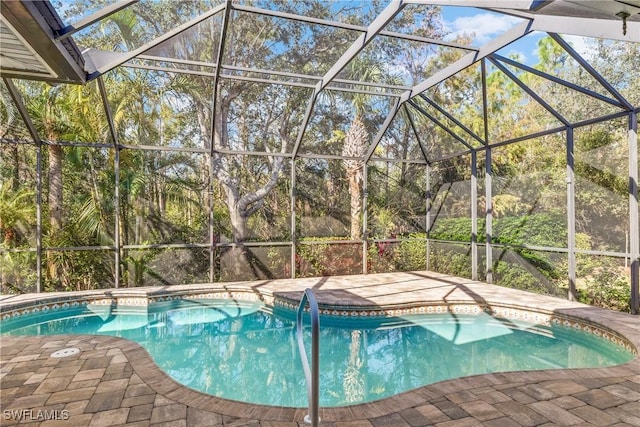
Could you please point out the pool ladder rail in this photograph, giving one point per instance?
(312, 375)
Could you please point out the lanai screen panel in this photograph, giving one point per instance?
(284, 45)
(139, 24)
(400, 62)
(12, 126)
(436, 140)
(447, 124)
(259, 117)
(529, 190)
(525, 115)
(163, 197)
(347, 12)
(396, 200)
(64, 113)
(193, 49)
(18, 186)
(400, 141)
(334, 113)
(160, 109)
(238, 179)
(603, 54)
(461, 96)
(573, 105)
(601, 165)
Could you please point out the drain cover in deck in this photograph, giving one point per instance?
(65, 352)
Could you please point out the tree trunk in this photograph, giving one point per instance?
(238, 223)
(243, 265)
(55, 188)
(355, 144)
(15, 184)
(239, 257)
(55, 208)
(356, 206)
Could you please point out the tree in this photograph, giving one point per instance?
(16, 211)
(356, 141)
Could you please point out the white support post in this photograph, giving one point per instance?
(429, 203)
(365, 218)
(634, 224)
(488, 194)
(571, 215)
(474, 215)
(293, 219)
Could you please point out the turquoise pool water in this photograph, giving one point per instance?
(247, 351)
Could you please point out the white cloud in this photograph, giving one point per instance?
(484, 26)
(585, 47)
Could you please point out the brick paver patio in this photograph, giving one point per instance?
(113, 381)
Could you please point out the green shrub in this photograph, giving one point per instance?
(325, 259)
(608, 289)
(518, 268)
(398, 256)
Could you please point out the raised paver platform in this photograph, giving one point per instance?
(113, 381)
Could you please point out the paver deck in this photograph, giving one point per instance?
(113, 381)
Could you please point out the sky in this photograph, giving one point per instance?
(488, 25)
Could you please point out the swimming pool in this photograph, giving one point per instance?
(245, 350)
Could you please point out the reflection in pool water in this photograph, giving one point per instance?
(247, 351)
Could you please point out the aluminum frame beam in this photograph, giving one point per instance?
(530, 92)
(571, 214)
(492, 46)
(428, 220)
(276, 82)
(474, 215)
(83, 23)
(120, 59)
(361, 42)
(356, 47)
(488, 179)
(258, 71)
(423, 150)
(571, 51)
(212, 149)
(345, 26)
(505, 4)
(489, 48)
(588, 27)
(216, 77)
(441, 125)
(557, 80)
(488, 215)
(453, 119)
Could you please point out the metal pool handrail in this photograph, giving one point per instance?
(312, 375)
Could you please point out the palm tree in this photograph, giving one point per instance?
(50, 114)
(67, 113)
(356, 141)
(16, 210)
(353, 381)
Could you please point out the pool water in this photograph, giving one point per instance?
(247, 351)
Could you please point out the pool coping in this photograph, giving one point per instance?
(432, 292)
